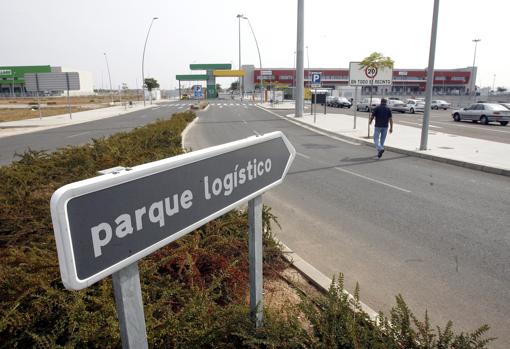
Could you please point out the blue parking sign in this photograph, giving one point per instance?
(316, 79)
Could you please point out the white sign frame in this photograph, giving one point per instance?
(359, 77)
(62, 196)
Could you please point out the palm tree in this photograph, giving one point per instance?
(377, 61)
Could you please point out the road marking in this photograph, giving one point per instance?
(244, 122)
(231, 103)
(309, 128)
(416, 124)
(78, 134)
(471, 127)
(372, 180)
(255, 132)
(221, 106)
(303, 155)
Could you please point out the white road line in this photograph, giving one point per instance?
(309, 128)
(231, 103)
(225, 104)
(416, 124)
(238, 104)
(303, 155)
(244, 122)
(471, 127)
(221, 106)
(372, 180)
(78, 134)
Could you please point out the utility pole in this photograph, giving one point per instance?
(109, 76)
(430, 78)
(240, 78)
(143, 60)
(299, 61)
(473, 86)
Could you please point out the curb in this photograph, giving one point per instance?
(184, 133)
(465, 164)
(321, 281)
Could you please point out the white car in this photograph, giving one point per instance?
(415, 105)
(439, 104)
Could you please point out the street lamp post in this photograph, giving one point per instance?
(260, 61)
(143, 59)
(109, 76)
(473, 87)
(299, 58)
(239, 17)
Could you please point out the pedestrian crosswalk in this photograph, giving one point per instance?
(213, 104)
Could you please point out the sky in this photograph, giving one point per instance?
(72, 33)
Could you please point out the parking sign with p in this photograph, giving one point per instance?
(315, 80)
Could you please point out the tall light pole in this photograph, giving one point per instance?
(260, 61)
(473, 87)
(143, 59)
(239, 17)
(299, 62)
(109, 76)
(308, 64)
(430, 78)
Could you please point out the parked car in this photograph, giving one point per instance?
(397, 105)
(507, 105)
(364, 105)
(483, 112)
(342, 102)
(439, 104)
(415, 105)
(393, 98)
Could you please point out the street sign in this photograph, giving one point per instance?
(359, 76)
(35, 82)
(197, 91)
(266, 72)
(315, 80)
(105, 223)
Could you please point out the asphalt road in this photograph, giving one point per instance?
(436, 233)
(82, 133)
(441, 121)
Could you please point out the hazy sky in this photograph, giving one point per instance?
(75, 33)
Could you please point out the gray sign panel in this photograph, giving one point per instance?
(52, 81)
(105, 223)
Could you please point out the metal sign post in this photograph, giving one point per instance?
(38, 96)
(128, 300)
(256, 260)
(68, 101)
(356, 107)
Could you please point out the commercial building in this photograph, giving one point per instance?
(458, 81)
(12, 80)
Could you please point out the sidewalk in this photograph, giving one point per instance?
(468, 152)
(12, 128)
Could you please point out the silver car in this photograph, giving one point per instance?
(415, 105)
(364, 105)
(483, 112)
(397, 105)
(439, 104)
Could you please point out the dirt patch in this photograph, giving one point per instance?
(78, 100)
(22, 114)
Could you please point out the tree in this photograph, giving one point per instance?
(378, 61)
(218, 88)
(151, 83)
(501, 89)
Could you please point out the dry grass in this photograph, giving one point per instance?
(22, 114)
(79, 100)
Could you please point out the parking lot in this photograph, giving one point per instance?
(441, 121)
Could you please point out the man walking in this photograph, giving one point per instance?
(383, 116)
